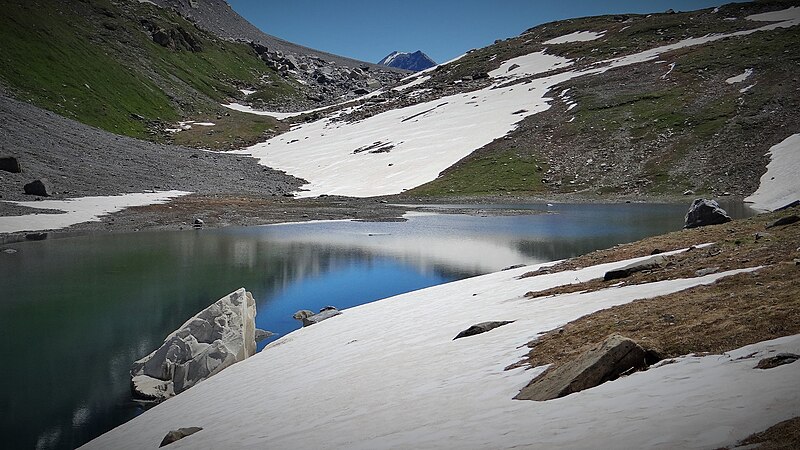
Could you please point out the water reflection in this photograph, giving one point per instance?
(74, 313)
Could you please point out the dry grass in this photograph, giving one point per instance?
(733, 312)
(782, 436)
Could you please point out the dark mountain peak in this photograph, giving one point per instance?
(409, 61)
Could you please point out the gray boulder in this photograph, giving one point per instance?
(10, 164)
(651, 263)
(218, 336)
(309, 318)
(482, 327)
(40, 187)
(616, 356)
(262, 334)
(180, 433)
(705, 212)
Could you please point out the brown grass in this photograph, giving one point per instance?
(733, 312)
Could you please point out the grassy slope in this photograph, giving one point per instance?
(53, 50)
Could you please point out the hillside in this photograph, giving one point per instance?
(596, 107)
(137, 69)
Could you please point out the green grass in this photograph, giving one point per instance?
(47, 58)
(231, 131)
(94, 62)
(506, 171)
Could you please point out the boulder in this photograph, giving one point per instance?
(787, 220)
(482, 327)
(262, 334)
(705, 212)
(373, 84)
(218, 336)
(777, 360)
(10, 164)
(179, 434)
(40, 187)
(616, 356)
(309, 318)
(651, 263)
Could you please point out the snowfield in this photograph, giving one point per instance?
(78, 210)
(388, 375)
(779, 186)
(577, 36)
(420, 141)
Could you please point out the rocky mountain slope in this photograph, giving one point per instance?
(135, 68)
(409, 61)
(625, 105)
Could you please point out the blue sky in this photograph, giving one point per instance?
(368, 30)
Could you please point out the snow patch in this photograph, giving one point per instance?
(577, 36)
(780, 185)
(78, 210)
(247, 91)
(413, 83)
(791, 14)
(388, 375)
(528, 65)
(747, 88)
(741, 77)
(671, 68)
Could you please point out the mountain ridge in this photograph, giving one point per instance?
(415, 62)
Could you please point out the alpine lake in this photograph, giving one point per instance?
(76, 312)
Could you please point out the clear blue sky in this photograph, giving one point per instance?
(368, 30)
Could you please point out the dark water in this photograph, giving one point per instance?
(76, 312)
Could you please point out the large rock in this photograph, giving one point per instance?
(39, 187)
(10, 164)
(608, 361)
(180, 433)
(309, 318)
(482, 327)
(218, 336)
(651, 263)
(705, 212)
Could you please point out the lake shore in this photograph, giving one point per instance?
(712, 311)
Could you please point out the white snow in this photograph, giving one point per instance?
(781, 184)
(577, 36)
(278, 115)
(388, 375)
(530, 64)
(747, 88)
(791, 14)
(247, 91)
(741, 77)
(429, 137)
(413, 83)
(78, 210)
(671, 68)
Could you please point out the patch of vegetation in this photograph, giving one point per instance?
(506, 171)
(232, 130)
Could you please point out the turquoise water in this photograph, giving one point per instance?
(76, 312)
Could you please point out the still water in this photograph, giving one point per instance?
(76, 312)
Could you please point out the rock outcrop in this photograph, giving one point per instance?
(705, 212)
(309, 318)
(39, 187)
(180, 433)
(482, 327)
(10, 164)
(651, 263)
(616, 356)
(218, 336)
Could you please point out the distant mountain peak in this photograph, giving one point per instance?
(409, 61)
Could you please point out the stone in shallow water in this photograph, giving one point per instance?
(218, 336)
